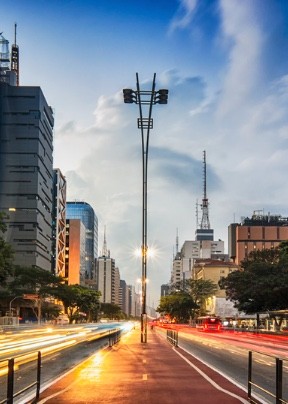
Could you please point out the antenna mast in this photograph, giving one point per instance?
(205, 224)
(105, 252)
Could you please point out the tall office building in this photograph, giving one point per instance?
(26, 168)
(84, 212)
(59, 223)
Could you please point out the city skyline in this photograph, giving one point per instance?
(225, 67)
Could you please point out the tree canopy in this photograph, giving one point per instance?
(186, 299)
(6, 253)
(261, 283)
(79, 302)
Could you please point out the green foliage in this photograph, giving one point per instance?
(33, 280)
(261, 284)
(50, 311)
(186, 299)
(6, 253)
(78, 299)
(177, 305)
(111, 311)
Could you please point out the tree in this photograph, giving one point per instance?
(111, 311)
(33, 280)
(78, 299)
(178, 305)
(187, 299)
(6, 253)
(261, 283)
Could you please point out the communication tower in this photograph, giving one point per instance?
(204, 232)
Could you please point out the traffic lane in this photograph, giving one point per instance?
(49, 339)
(275, 346)
(52, 367)
(232, 361)
(132, 372)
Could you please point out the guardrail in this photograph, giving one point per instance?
(12, 363)
(10, 379)
(278, 396)
(172, 337)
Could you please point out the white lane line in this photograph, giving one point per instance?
(210, 380)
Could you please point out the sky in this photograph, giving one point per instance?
(225, 65)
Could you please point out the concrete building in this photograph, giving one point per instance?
(124, 297)
(59, 223)
(26, 173)
(165, 289)
(256, 233)
(215, 270)
(105, 279)
(75, 252)
(84, 212)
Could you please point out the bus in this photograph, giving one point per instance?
(208, 323)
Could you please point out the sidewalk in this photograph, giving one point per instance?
(135, 373)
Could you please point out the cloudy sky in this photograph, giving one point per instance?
(226, 67)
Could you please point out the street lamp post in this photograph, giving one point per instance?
(10, 304)
(148, 98)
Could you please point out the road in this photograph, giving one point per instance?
(62, 349)
(65, 347)
(228, 353)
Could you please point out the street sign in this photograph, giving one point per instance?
(31, 297)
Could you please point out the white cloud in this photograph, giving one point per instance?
(244, 38)
(183, 15)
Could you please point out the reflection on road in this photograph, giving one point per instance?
(23, 345)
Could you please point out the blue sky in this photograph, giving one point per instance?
(225, 65)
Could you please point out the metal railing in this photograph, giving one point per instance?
(172, 337)
(11, 364)
(10, 380)
(278, 396)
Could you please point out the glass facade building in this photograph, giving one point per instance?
(84, 212)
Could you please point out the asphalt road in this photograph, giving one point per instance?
(228, 353)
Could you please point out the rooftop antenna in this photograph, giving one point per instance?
(177, 241)
(205, 224)
(105, 252)
(15, 56)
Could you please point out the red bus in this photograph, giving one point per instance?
(208, 323)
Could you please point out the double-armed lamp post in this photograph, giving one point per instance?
(148, 99)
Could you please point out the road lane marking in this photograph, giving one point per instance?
(210, 380)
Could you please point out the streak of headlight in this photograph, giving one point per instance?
(33, 355)
(41, 342)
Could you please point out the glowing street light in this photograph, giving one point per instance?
(141, 98)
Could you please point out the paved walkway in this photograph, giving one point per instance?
(135, 373)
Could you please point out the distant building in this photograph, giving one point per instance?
(256, 233)
(124, 297)
(59, 223)
(215, 270)
(165, 289)
(84, 212)
(107, 277)
(75, 252)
